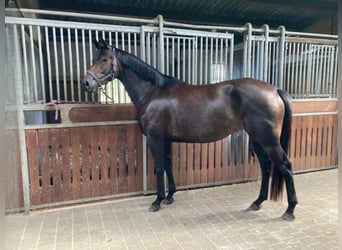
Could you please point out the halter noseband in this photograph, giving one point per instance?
(109, 76)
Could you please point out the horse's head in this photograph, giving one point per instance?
(104, 67)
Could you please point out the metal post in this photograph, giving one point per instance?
(281, 56)
(21, 125)
(265, 73)
(161, 44)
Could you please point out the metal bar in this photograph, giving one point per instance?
(21, 124)
(201, 61)
(231, 57)
(78, 67)
(84, 59)
(249, 50)
(42, 77)
(26, 81)
(48, 59)
(281, 57)
(71, 67)
(63, 66)
(83, 15)
(34, 73)
(161, 59)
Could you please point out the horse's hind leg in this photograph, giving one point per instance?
(265, 165)
(283, 165)
(168, 168)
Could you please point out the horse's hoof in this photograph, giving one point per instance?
(253, 207)
(154, 208)
(288, 217)
(168, 201)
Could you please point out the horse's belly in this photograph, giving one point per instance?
(203, 131)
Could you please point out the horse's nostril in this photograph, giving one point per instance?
(85, 83)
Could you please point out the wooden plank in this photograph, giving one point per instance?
(333, 161)
(319, 142)
(103, 113)
(85, 162)
(190, 164)
(225, 171)
(325, 138)
(112, 172)
(218, 161)
(122, 142)
(182, 164)
(312, 106)
(204, 163)
(65, 164)
(211, 162)
(76, 170)
(313, 149)
(55, 142)
(43, 138)
(94, 161)
(32, 151)
(330, 125)
(139, 158)
(175, 163)
(104, 161)
(131, 177)
(197, 163)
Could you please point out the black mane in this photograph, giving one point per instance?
(144, 70)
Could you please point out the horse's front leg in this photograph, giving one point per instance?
(158, 150)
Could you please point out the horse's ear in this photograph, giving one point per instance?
(96, 43)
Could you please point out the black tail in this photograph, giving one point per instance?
(277, 185)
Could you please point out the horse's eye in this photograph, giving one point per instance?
(104, 60)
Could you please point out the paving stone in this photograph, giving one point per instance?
(210, 218)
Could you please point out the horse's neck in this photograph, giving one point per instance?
(137, 88)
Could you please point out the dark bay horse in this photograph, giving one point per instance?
(170, 110)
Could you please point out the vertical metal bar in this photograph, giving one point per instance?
(292, 60)
(26, 81)
(78, 67)
(167, 56)
(183, 54)
(34, 73)
(129, 42)
(42, 77)
(173, 51)
(84, 59)
(231, 57)
(201, 61)
(301, 70)
(221, 60)
(317, 70)
(135, 45)
(249, 50)
(324, 81)
(194, 68)
(63, 65)
(48, 59)
(154, 50)
(189, 61)
(281, 57)
(71, 67)
(56, 63)
(161, 62)
(330, 81)
(335, 72)
(265, 64)
(21, 124)
(206, 61)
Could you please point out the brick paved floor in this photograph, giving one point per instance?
(210, 218)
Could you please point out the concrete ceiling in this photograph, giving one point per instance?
(293, 14)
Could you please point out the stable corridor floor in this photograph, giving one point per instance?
(208, 218)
